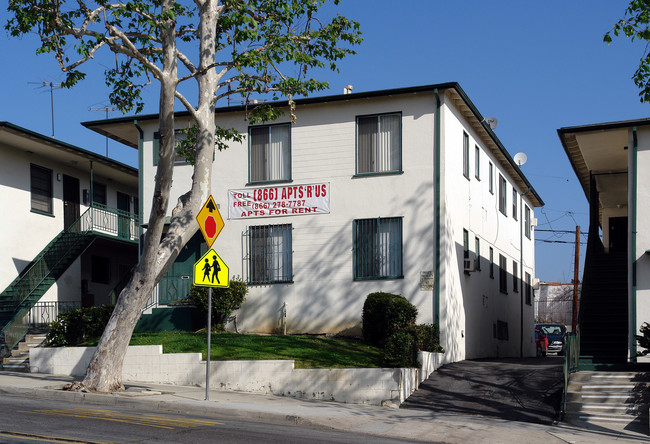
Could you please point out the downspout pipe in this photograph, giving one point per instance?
(632, 259)
(140, 182)
(436, 216)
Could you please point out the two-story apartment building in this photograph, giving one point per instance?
(67, 234)
(609, 159)
(407, 191)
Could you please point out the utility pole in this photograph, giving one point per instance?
(574, 322)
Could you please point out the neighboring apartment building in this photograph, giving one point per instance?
(610, 161)
(55, 250)
(407, 191)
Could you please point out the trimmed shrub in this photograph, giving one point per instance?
(401, 349)
(224, 301)
(428, 338)
(385, 314)
(79, 325)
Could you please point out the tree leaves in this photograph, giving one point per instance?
(636, 26)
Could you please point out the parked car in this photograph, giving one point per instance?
(541, 343)
(556, 334)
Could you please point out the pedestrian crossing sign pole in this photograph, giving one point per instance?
(210, 271)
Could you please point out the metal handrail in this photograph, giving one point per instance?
(571, 362)
(98, 219)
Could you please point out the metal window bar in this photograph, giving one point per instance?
(378, 248)
(270, 254)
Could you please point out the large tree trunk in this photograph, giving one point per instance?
(104, 373)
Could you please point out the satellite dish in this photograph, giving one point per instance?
(492, 121)
(520, 159)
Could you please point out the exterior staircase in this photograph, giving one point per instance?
(603, 313)
(613, 400)
(26, 290)
(19, 359)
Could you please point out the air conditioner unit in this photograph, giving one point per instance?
(468, 265)
(533, 222)
(535, 284)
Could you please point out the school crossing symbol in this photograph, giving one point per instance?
(211, 271)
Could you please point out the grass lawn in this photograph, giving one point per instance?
(307, 351)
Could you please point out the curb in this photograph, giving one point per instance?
(147, 402)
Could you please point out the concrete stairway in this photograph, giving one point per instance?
(19, 359)
(613, 400)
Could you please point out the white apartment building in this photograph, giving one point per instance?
(407, 191)
(67, 236)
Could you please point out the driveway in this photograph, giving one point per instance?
(526, 390)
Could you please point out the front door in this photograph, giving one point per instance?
(70, 200)
(617, 234)
(175, 285)
(123, 218)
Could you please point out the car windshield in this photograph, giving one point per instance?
(552, 330)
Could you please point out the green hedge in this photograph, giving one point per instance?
(76, 326)
(224, 301)
(385, 314)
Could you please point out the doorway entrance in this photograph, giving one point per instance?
(70, 200)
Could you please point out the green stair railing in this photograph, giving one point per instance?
(19, 297)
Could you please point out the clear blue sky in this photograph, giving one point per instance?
(535, 66)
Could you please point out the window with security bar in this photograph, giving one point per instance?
(378, 248)
(379, 143)
(270, 153)
(270, 254)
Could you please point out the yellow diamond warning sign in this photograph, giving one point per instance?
(210, 221)
(211, 271)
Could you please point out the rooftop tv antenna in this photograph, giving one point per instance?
(520, 159)
(106, 109)
(50, 85)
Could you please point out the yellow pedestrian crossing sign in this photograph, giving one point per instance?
(211, 271)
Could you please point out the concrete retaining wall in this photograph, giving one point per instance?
(147, 363)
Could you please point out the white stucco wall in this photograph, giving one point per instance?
(642, 302)
(23, 232)
(472, 303)
(324, 297)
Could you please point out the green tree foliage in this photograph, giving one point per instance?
(224, 300)
(216, 49)
(636, 26)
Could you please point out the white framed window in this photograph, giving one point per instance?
(270, 153)
(477, 162)
(491, 177)
(515, 204)
(466, 155)
(527, 221)
(41, 189)
(270, 255)
(378, 248)
(503, 274)
(379, 143)
(503, 186)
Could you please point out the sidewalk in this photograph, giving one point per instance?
(413, 425)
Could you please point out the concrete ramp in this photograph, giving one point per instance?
(525, 390)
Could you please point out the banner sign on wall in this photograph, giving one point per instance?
(288, 200)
